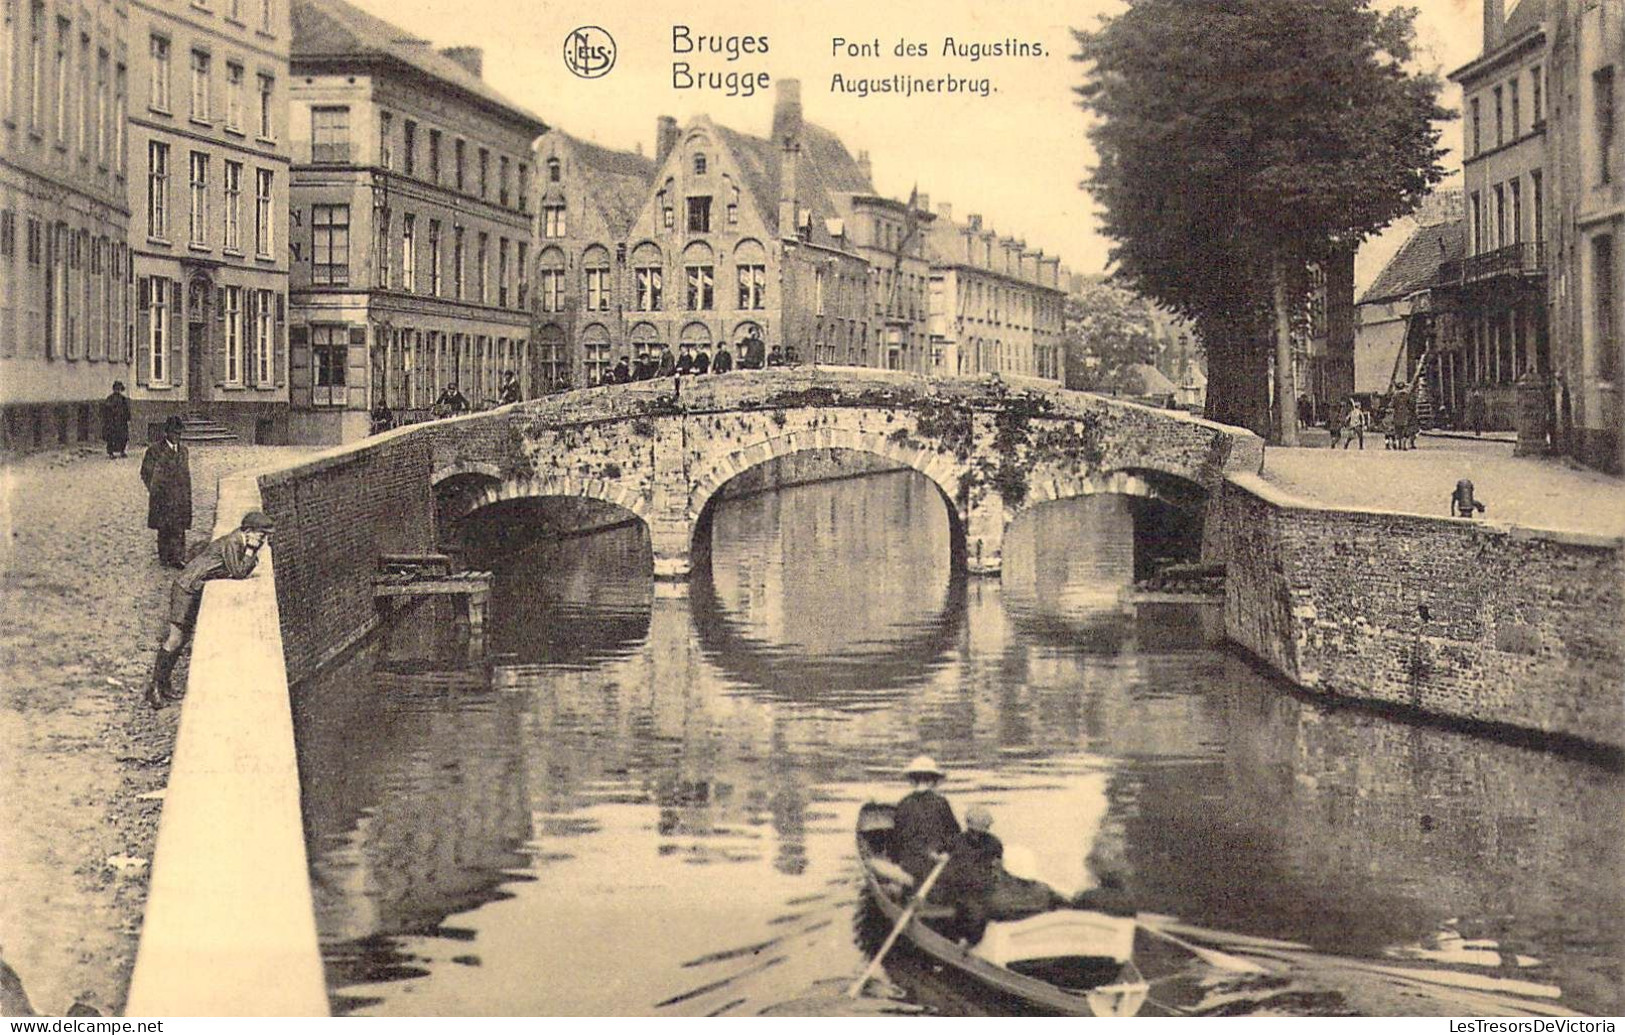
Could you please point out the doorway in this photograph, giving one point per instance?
(194, 362)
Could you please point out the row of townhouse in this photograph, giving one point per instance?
(723, 235)
(1513, 311)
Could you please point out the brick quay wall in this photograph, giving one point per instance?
(1482, 622)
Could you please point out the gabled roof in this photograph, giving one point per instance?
(1527, 15)
(1416, 264)
(826, 167)
(328, 31)
(621, 181)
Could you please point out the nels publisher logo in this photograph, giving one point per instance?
(589, 52)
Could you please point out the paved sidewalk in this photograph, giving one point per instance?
(1527, 491)
(82, 760)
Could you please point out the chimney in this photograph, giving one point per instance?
(975, 221)
(945, 212)
(665, 138)
(863, 167)
(471, 58)
(789, 182)
(787, 111)
(922, 203)
(1495, 23)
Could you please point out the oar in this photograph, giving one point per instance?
(902, 922)
(1222, 960)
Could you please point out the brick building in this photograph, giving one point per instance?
(1587, 228)
(208, 150)
(996, 305)
(892, 237)
(410, 233)
(65, 304)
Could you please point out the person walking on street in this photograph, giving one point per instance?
(232, 556)
(1406, 426)
(116, 422)
(166, 471)
(1354, 427)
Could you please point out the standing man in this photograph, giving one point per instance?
(724, 361)
(509, 391)
(116, 421)
(166, 470)
(1354, 427)
(702, 360)
(232, 556)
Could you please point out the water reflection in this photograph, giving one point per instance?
(652, 810)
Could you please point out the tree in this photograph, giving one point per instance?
(1239, 140)
(1108, 329)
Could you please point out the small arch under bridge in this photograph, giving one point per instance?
(993, 448)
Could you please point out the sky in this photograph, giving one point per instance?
(1016, 155)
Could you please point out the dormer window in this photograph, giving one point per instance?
(699, 165)
(554, 171)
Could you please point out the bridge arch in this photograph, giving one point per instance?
(557, 485)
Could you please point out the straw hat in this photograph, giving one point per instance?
(924, 765)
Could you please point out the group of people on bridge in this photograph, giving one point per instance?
(697, 359)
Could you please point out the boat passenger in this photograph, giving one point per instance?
(975, 865)
(924, 826)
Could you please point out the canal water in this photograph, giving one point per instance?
(645, 805)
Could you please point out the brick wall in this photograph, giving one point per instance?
(1466, 619)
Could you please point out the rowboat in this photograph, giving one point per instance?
(1076, 962)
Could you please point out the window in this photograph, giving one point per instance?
(200, 86)
(63, 79)
(1536, 200)
(232, 181)
(523, 294)
(699, 165)
(158, 94)
(818, 291)
(524, 187)
(502, 181)
(733, 213)
(157, 188)
(666, 217)
(649, 278)
(158, 299)
(1514, 109)
(1500, 216)
(485, 173)
(554, 170)
(502, 272)
(263, 229)
(328, 349)
(102, 113)
(1603, 302)
(36, 66)
(234, 10)
(699, 215)
(381, 218)
(550, 285)
(1478, 224)
(409, 252)
(434, 156)
(598, 290)
(263, 313)
(233, 315)
(1500, 120)
(198, 232)
(753, 287)
(82, 137)
(482, 270)
(267, 110)
(434, 257)
(8, 46)
(1478, 140)
(234, 96)
(1515, 188)
(330, 244)
(1602, 97)
(267, 9)
(700, 284)
(120, 93)
(409, 146)
(1536, 113)
(457, 262)
(330, 134)
(459, 154)
(553, 222)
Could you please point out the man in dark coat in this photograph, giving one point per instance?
(508, 391)
(924, 825)
(166, 470)
(232, 556)
(702, 361)
(975, 863)
(668, 363)
(723, 362)
(753, 355)
(685, 360)
(622, 374)
(775, 358)
(451, 401)
(116, 421)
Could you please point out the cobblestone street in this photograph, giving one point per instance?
(85, 761)
(1529, 491)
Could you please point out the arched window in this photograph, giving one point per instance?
(595, 353)
(550, 281)
(595, 268)
(645, 340)
(648, 277)
(552, 365)
(696, 334)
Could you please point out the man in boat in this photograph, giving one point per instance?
(924, 826)
(975, 864)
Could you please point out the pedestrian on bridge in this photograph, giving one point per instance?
(702, 361)
(166, 471)
(668, 363)
(232, 556)
(724, 360)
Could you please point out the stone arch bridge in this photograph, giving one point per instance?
(662, 449)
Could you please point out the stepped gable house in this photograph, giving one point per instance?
(411, 224)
